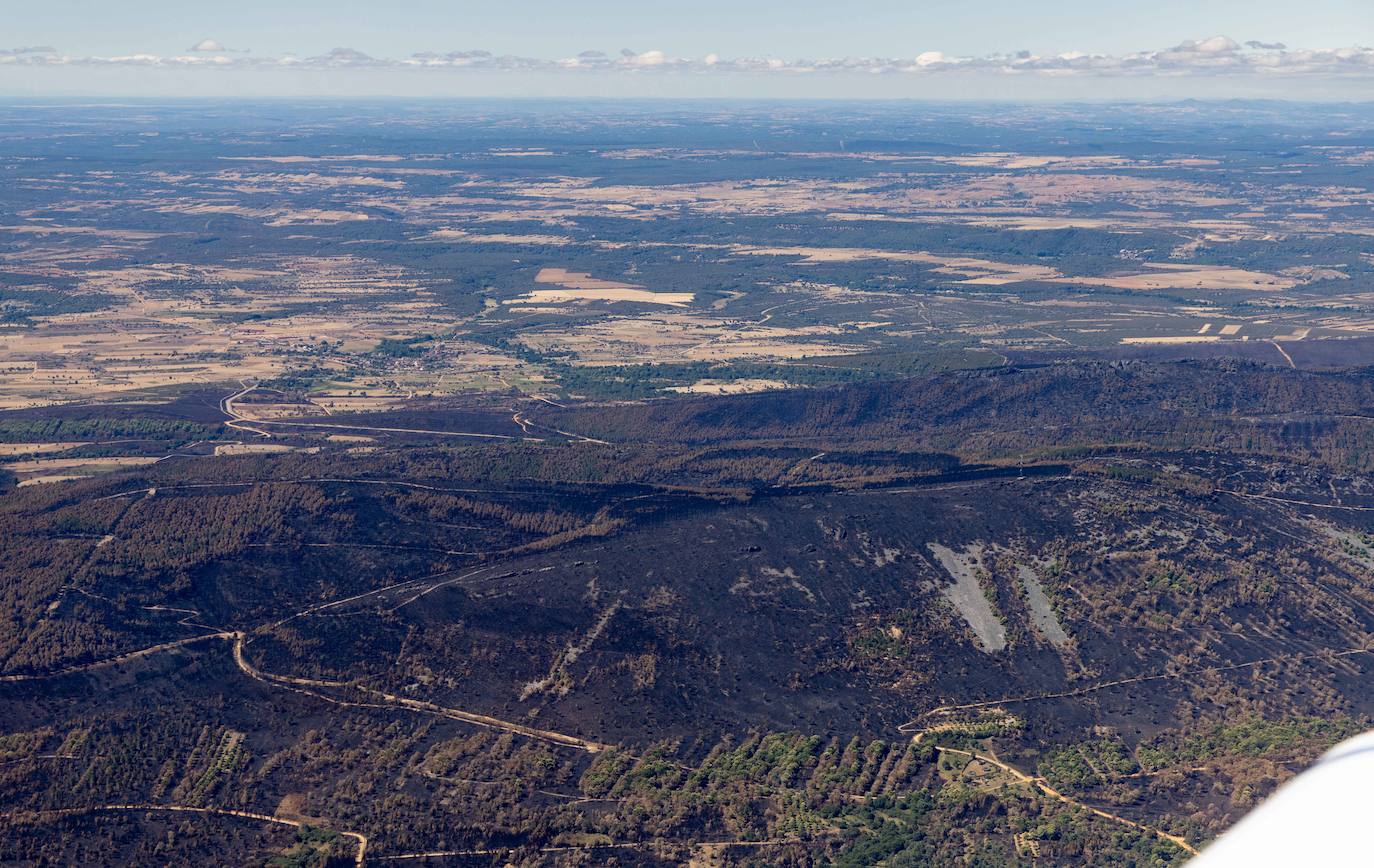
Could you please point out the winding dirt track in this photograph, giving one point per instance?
(237, 421)
(312, 686)
(392, 701)
(1045, 788)
(359, 859)
(526, 423)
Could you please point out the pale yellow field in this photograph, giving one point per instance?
(286, 182)
(44, 480)
(729, 387)
(1008, 160)
(260, 448)
(258, 410)
(1181, 339)
(8, 449)
(40, 464)
(575, 286)
(38, 471)
(355, 401)
(643, 296)
(685, 337)
(975, 271)
(1295, 335)
(496, 238)
(1170, 276)
(269, 216)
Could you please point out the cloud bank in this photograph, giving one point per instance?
(1218, 55)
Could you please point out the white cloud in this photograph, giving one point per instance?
(648, 58)
(1215, 45)
(213, 46)
(1216, 55)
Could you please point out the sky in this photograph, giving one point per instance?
(926, 49)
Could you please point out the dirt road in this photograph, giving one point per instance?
(389, 700)
(1045, 788)
(359, 859)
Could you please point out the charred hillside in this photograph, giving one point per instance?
(1091, 393)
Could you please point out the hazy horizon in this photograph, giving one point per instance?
(1064, 51)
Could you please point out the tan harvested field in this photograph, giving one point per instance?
(56, 229)
(353, 401)
(250, 182)
(278, 411)
(584, 287)
(1008, 160)
(11, 449)
(260, 449)
(641, 296)
(1362, 325)
(685, 337)
(1027, 223)
(38, 465)
(975, 271)
(496, 238)
(269, 216)
(1170, 276)
(1179, 339)
(1313, 273)
(729, 387)
(44, 480)
(38, 471)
